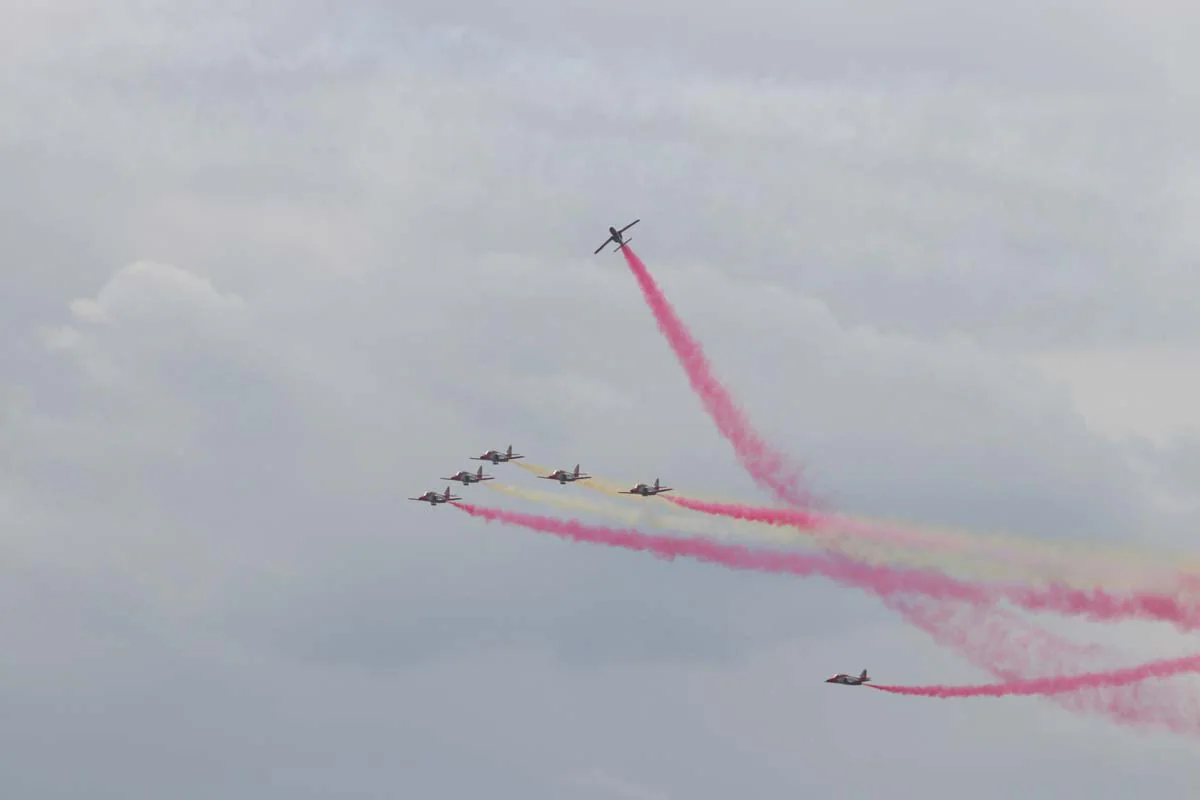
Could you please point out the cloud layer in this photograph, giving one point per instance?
(271, 270)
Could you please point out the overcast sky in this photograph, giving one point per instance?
(270, 268)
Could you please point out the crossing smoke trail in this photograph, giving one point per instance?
(1121, 702)
(764, 464)
(883, 581)
(1166, 668)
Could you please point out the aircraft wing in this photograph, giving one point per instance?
(601, 247)
(627, 227)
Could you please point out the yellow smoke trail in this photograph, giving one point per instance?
(652, 515)
(565, 502)
(595, 483)
(1112, 565)
(965, 554)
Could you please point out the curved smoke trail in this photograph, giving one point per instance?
(766, 465)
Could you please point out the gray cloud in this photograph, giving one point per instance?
(270, 273)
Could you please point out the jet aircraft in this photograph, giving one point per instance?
(849, 680)
(647, 491)
(433, 498)
(564, 477)
(496, 457)
(466, 478)
(615, 235)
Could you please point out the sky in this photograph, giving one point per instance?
(272, 268)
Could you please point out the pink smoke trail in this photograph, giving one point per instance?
(764, 464)
(883, 581)
(880, 580)
(1012, 649)
(1056, 685)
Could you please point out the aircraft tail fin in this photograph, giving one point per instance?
(863, 676)
(577, 470)
(509, 451)
(479, 474)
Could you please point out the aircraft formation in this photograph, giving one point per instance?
(563, 476)
(496, 457)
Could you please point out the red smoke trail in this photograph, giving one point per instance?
(1056, 685)
(764, 464)
(770, 516)
(880, 580)
(883, 581)
(1012, 649)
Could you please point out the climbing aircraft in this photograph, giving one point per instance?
(615, 235)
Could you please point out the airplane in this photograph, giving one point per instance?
(614, 235)
(469, 477)
(849, 680)
(496, 457)
(433, 498)
(647, 491)
(563, 477)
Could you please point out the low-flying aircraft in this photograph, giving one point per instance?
(564, 477)
(466, 478)
(496, 457)
(849, 680)
(433, 498)
(615, 235)
(647, 491)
